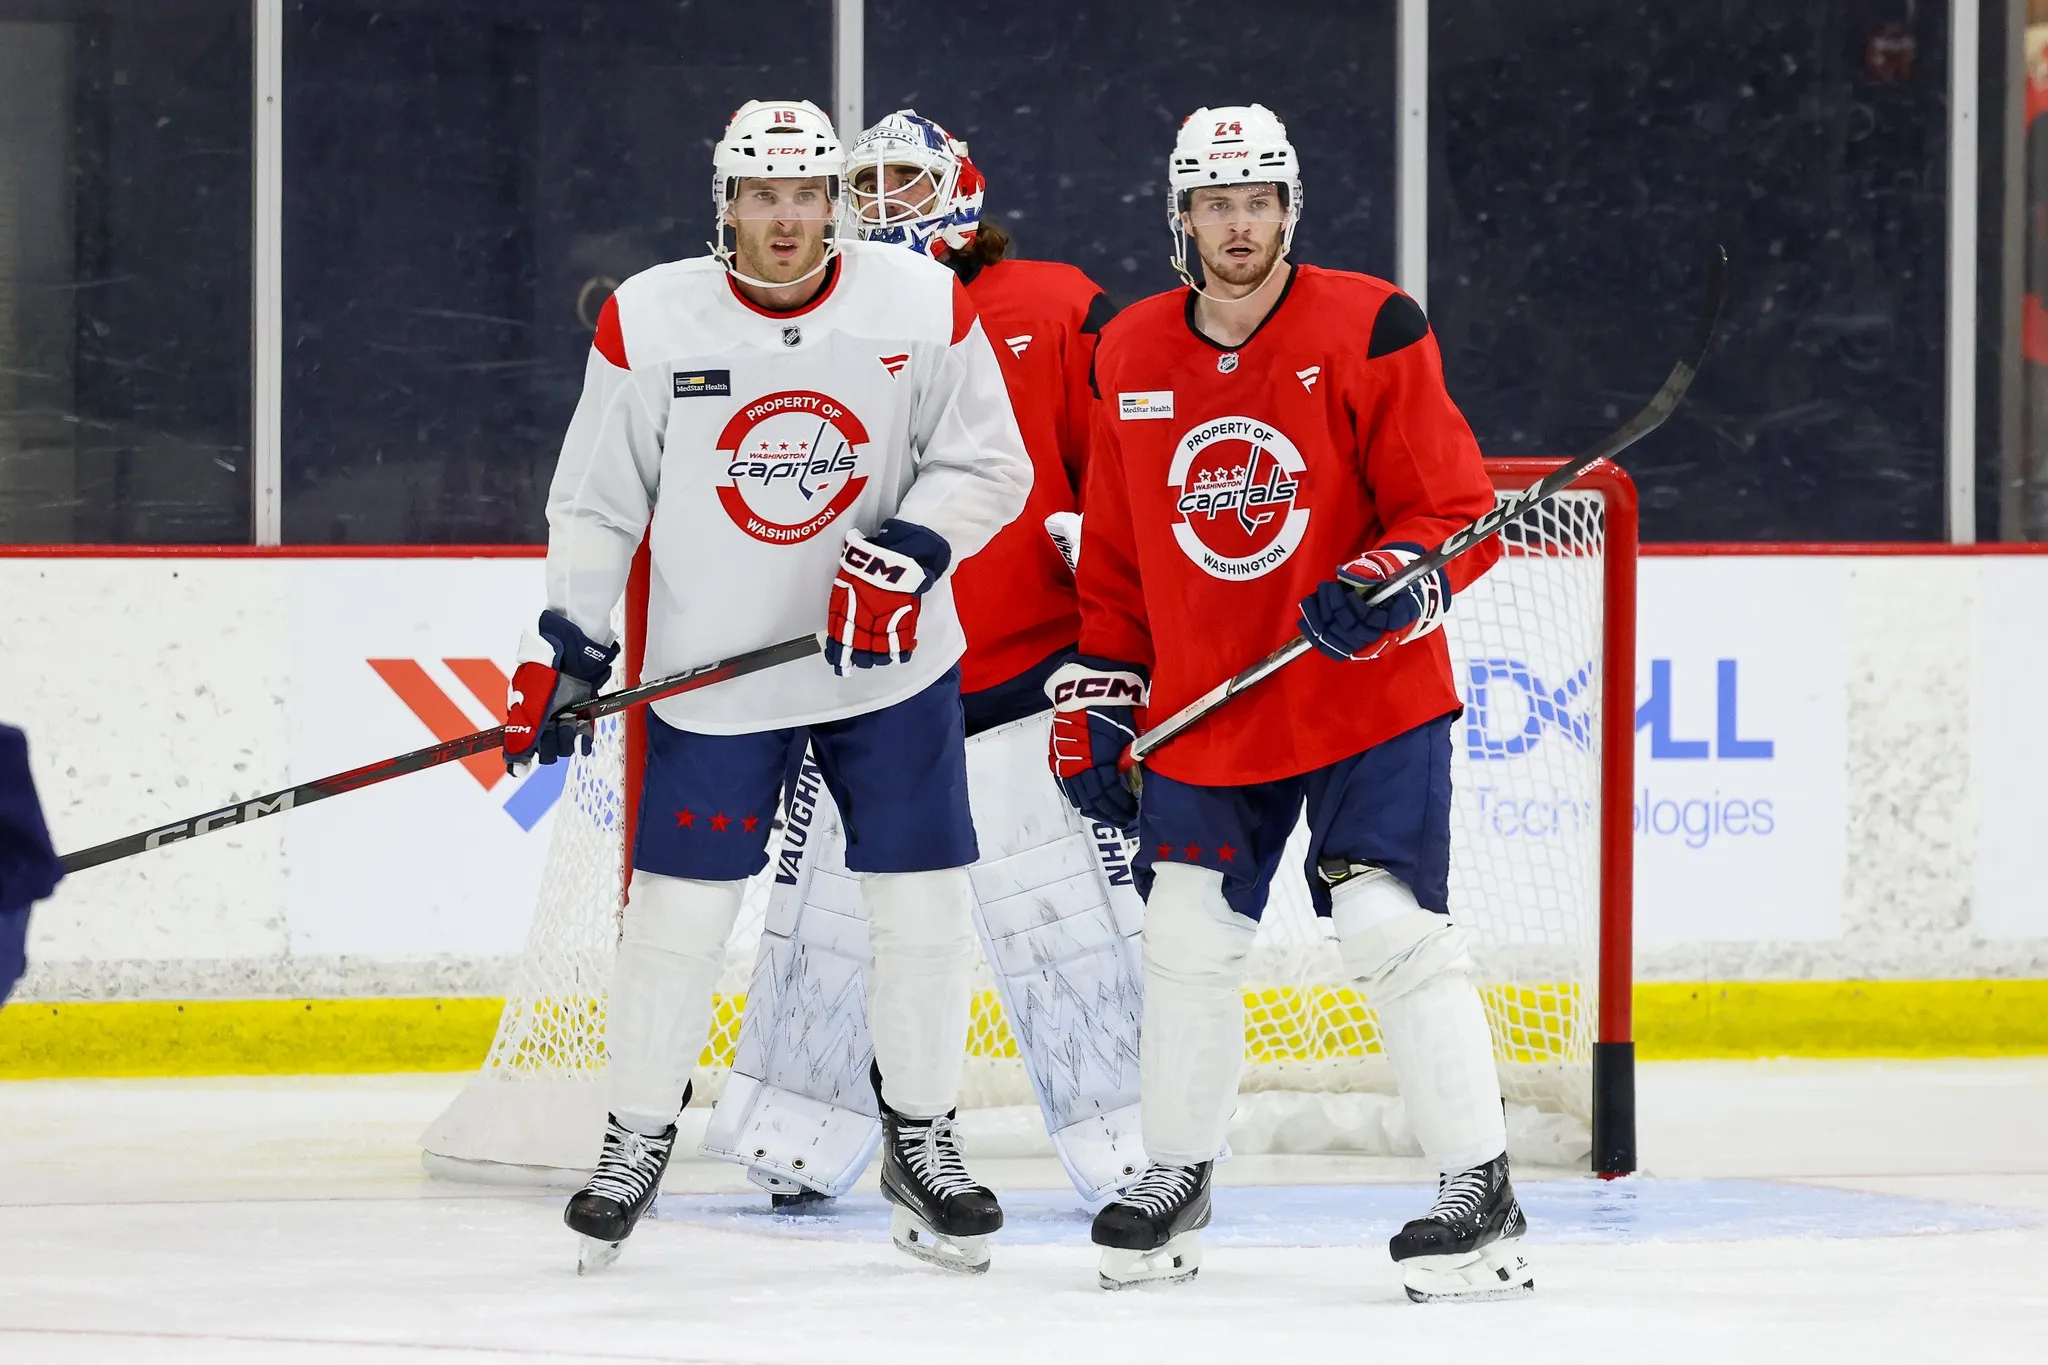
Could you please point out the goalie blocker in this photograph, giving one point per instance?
(1058, 915)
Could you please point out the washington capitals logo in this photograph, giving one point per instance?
(1238, 507)
(792, 465)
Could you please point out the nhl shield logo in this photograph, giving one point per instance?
(1226, 363)
(792, 336)
(1238, 505)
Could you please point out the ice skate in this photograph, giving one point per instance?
(941, 1214)
(621, 1189)
(1469, 1245)
(1151, 1234)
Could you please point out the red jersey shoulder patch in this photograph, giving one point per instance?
(610, 342)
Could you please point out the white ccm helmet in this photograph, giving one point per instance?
(1233, 144)
(775, 140)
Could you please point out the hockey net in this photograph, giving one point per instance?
(1542, 651)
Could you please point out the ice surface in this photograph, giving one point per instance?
(288, 1220)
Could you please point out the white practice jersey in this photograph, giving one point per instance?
(754, 441)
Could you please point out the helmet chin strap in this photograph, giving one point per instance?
(1180, 263)
(726, 254)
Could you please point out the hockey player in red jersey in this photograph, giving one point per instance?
(1268, 442)
(808, 433)
(1056, 899)
(912, 184)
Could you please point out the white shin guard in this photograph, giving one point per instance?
(1416, 969)
(1197, 950)
(659, 1012)
(920, 987)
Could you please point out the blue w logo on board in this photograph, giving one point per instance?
(1501, 692)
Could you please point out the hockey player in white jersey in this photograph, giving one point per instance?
(810, 435)
(1056, 899)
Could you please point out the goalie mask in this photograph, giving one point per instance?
(910, 183)
(1224, 147)
(776, 140)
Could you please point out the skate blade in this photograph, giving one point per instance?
(961, 1255)
(1178, 1261)
(1495, 1271)
(593, 1255)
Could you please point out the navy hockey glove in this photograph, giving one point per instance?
(558, 666)
(1094, 719)
(1337, 621)
(876, 593)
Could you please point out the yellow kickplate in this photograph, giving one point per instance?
(244, 1037)
(1673, 1020)
(1676, 1020)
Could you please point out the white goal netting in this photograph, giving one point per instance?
(1527, 645)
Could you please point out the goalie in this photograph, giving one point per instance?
(1269, 441)
(810, 436)
(1056, 898)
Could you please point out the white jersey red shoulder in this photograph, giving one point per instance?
(1016, 597)
(1227, 482)
(743, 444)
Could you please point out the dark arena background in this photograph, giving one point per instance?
(297, 300)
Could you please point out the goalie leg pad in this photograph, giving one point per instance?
(1197, 950)
(659, 1010)
(1416, 968)
(798, 1109)
(920, 987)
(1059, 914)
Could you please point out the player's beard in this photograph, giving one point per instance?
(753, 244)
(1247, 273)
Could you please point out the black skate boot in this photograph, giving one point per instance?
(623, 1186)
(942, 1215)
(1152, 1232)
(1469, 1244)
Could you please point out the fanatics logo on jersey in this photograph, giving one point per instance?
(1017, 344)
(1227, 363)
(791, 465)
(792, 336)
(1156, 404)
(1309, 376)
(704, 384)
(1237, 485)
(894, 363)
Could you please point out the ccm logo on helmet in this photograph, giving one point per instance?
(1120, 688)
(1228, 156)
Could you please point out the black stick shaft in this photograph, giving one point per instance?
(1642, 424)
(369, 775)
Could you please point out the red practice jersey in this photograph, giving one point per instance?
(1016, 598)
(1225, 484)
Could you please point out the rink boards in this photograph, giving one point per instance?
(1836, 769)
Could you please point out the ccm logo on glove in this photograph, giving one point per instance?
(1094, 719)
(1073, 691)
(876, 592)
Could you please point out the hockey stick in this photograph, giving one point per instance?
(1550, 485)
(274, 803)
